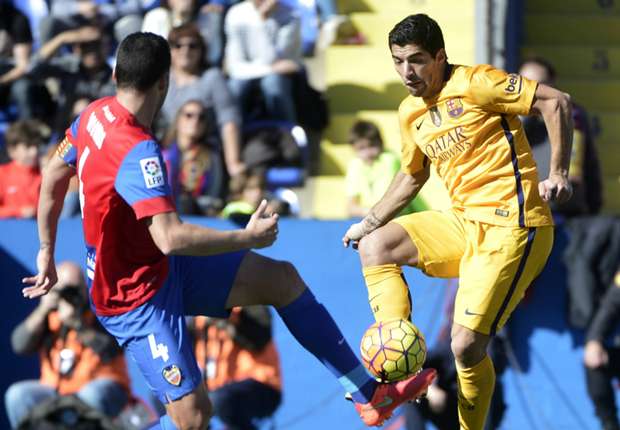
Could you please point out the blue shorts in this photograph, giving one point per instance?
(155, 334)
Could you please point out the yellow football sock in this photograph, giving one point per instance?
(476, 385)
(388, 293)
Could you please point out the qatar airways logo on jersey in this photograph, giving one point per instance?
(152, 172)
(447, 145)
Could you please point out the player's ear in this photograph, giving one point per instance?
(441, 56)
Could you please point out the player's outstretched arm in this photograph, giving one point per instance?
(403, 188)
(556, 110)
(174, 237)
(54, 186)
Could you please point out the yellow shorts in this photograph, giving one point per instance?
(495, 264)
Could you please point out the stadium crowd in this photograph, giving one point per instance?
(239, 104)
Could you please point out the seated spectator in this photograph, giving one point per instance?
(208, 18)
(585, 173)
(194, 165)
(190, 79)
(15, 49)
(263, 52)
(241, 366)
(120, 17)
(246, 191)
(370, 173)
(20, 179)
(77, 356)
(602, 359)
(82, 73)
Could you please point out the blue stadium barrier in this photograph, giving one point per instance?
(544, 388)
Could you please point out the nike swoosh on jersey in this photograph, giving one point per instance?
(387, 401)
(417, 126)
(467, 312)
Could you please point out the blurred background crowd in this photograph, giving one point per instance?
(295, 101)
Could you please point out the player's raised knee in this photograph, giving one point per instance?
(288, 284)
(468, 346)
(375, 248)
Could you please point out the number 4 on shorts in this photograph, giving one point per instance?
(158, 349)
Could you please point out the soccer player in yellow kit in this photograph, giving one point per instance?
(498, 234)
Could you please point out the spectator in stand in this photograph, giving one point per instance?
(15, 49)
(602, 360)
(194, 164)
(77, 356)
(371, 171)
(119, 17)
(263, 51)
(209, 18)
(191, 79)
(246, 191)
(82, 73)
(240, 363)
(20, 179)
(585, 171)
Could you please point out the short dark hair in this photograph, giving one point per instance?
(142, 59)
(543, 62)
(27, 131)
(420, 29)
(365, 130)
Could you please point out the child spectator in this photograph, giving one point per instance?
(246, 192)
(371, 171)
(20, 179)
(194, 165)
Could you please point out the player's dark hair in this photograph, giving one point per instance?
(365, 130)
(419, 29)
(544, 63)
(142, 59)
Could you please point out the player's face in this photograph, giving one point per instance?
(421, 73)
(24, 154)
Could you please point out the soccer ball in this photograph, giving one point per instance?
(393, 350)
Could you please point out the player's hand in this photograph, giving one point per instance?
(263, 228)
(595, 355)
(555, 188)
(354, 234)
(42, 282)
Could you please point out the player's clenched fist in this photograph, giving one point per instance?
(555, 188)
(263, 228)
(354, 234)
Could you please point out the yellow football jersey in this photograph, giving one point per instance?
(472, 135)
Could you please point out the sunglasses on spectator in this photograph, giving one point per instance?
(191, 115)
(190, 45)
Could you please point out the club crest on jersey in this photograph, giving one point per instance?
(455, 107)
(435, 116)
(152, 172)
(172, 374)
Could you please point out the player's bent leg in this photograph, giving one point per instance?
(315, 329)
(279, 282)
(476, 376)
(383, 252)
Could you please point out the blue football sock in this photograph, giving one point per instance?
(315, 329)
(165, 423)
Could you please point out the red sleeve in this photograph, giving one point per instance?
(153, 206)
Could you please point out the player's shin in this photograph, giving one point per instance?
(476, 385)
(388, 293)
(315, 329)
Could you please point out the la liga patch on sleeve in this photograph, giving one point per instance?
(152, 172)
